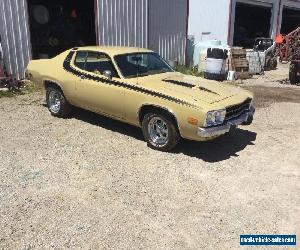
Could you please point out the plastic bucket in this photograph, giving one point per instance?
(215, 66)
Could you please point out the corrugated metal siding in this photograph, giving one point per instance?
(155, 24)
(15, 36)
(123, 22)
(167, 28)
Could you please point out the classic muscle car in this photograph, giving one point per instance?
(138, 87)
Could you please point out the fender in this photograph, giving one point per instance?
(159, 107)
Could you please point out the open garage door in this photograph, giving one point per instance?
(251, 21)
(290, 20)
(58, 25)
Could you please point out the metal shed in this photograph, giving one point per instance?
(204, 26)
(15, 37)
(155, 24)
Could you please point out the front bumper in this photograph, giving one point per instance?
(245, 118)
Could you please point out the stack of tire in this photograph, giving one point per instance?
(215, 66)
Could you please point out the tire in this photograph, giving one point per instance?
(274, 63)
(166, 131)
(293, 73)
(57, 103)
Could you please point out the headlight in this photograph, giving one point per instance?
(214, 118)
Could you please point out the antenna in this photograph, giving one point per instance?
(137, 42)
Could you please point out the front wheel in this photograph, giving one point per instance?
(160, 132)
(57, 103)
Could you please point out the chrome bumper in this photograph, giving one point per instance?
(223, 129)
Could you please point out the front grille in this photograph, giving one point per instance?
(237, 110)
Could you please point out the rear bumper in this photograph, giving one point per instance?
(246, 118)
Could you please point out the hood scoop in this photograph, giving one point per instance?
(179, 83)
(207, 90)
(189, 85)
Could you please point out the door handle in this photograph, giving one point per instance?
(82, 77)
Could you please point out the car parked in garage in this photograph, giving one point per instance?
(138, 87)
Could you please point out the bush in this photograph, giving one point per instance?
(189, 71)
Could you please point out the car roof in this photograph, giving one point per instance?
(113, 50)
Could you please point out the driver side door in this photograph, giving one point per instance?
(94, 91)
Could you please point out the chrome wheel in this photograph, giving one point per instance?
(158, 131)
(54, 101)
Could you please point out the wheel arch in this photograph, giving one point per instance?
(145, 108)
(51, 83)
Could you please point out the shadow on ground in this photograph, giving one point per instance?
(217, 150)
(220, 149)
(108, 123)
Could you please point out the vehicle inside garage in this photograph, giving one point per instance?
(290, 20)
(57, 25)
(251, 21)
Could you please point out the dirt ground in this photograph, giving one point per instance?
(90, 182)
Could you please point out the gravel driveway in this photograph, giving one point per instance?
(90, 182)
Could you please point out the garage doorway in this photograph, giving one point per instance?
(251, 21)
(58, 25)
(290, 20)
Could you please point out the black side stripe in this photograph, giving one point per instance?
(67, 66)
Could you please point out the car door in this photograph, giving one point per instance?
(94, 91)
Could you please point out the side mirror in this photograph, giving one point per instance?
(108, 74)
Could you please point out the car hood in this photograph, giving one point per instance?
(189, 88)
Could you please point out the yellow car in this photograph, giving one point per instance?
(138, 87)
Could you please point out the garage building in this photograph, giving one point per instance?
(239, 22)
(42, 28)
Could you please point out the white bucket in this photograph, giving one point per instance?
(215, 66)
(231, 76)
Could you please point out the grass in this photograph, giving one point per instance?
(189, 71)
(26, 89)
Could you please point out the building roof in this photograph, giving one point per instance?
(113, 50)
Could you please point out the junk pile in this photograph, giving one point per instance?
(288, 50)
(200, 52)
(263, 56)
(220, 62)
(239, 63)
(7, 82)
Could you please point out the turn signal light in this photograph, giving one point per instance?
(192, 120)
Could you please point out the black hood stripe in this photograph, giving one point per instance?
(188, 85)
(67, 66)
(179, 83)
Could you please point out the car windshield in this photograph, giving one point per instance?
(141, 64)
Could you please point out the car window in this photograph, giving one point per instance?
(98, 63)
(141, 64)
(80, 60)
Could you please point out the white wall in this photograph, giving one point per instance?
(209, 16)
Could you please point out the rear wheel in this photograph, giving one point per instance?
(293, 73)
(160, 131)
(57, 103)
